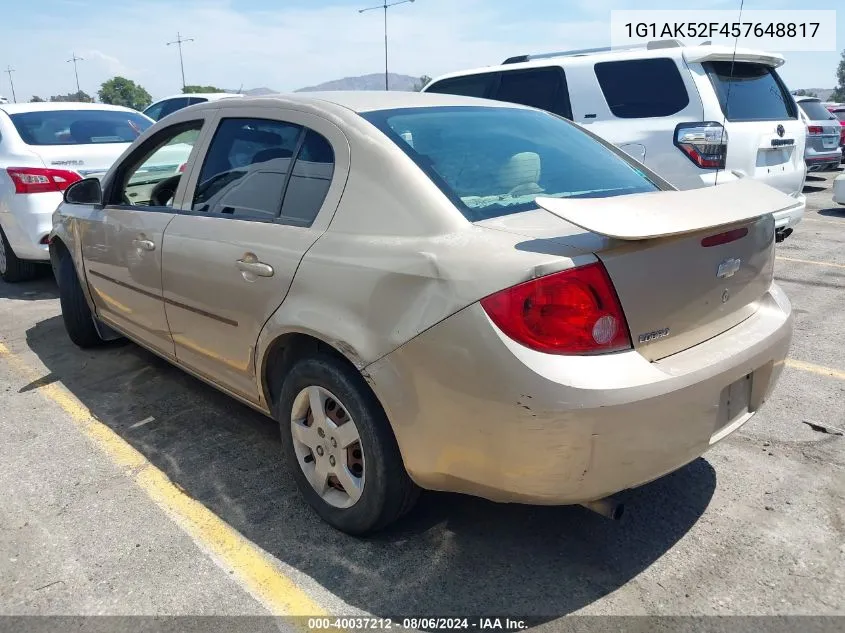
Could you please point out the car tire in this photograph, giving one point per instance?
(387, 491)
(12, 268)
(79, 322)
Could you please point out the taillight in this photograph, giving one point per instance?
(572, 312)
(182, 168)
(705, 144)
(724, 238)
(41, 180)
(814, 130)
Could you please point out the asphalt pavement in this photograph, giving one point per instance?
(130, 488)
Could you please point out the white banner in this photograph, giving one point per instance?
(774, 31)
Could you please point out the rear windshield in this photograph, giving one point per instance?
(750, 92)
(495, 161)
(815, 111)
(79, 127)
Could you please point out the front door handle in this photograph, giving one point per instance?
(251, 266)
(147, 245)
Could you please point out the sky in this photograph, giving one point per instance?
(289, 44)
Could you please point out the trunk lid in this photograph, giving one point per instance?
(86, 160)
(676, 288)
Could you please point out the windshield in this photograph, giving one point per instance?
(750, 92)
(495, 161)
(815, 111)
(79, 127)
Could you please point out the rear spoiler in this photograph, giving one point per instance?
(721, 54)
(644, 216)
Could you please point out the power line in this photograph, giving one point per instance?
(385, 6)
(75, 59)
(9, 70)
(179, 41)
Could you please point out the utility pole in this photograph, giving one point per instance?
(9, 70)
(75, 59)
(179, 41)
(385, 6)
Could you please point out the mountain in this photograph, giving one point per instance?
(404, 83)
(822, 93)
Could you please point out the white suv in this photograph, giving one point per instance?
(698, 116)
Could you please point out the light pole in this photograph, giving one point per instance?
(9, 70)
(179, 41)
(75, 59)
(385, 5)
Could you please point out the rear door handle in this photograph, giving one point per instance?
(147, 245)
(252, 266)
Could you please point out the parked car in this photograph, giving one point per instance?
(695, 115)
(44, 147)
(839, 189)
(824, 147)
(162, 108)
(839, 112)
(436, 291)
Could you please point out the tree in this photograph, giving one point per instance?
(421, 83)
(74, 97)
(801, 92)
(124, 92)
(36, 99)
(194, 89)
(839, 93)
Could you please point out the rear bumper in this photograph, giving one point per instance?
(474, 412)
(819, 161)
(27, 219)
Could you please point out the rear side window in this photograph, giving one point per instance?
(839, 114)
(543, 88)
(493, 161)
(815, 111)
(256, 169)
(79, 127)
(750, 92)
(470, 86)
(642, 88)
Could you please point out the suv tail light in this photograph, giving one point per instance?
(705, 143)
(572, 312)
(814, 130)
(41, 180)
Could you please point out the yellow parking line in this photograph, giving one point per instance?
(810, 261)
(248, 563)
(815, 369)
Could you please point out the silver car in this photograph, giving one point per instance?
(822, 150)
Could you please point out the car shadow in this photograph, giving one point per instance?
(812, 189)
(835, 212)
(452, 555)
(42, 287)
(811, 178)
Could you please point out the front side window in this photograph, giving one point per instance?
(642, 88)
(750, 92)
(79, 127)
(153, 179)
(495, 161)
(246, 168)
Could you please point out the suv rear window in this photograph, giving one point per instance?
(495, 161)
(750, 92)
(79, 127)
(642, 88)
(469, 86)
(815, 111)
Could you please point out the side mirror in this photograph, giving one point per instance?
(86, 191)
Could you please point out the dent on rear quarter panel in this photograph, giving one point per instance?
(398, 258)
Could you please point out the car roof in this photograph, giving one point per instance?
(46, 106)
(710, 52)
(211, 96)
(360, 100)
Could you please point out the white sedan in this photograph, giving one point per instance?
(44, 147)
